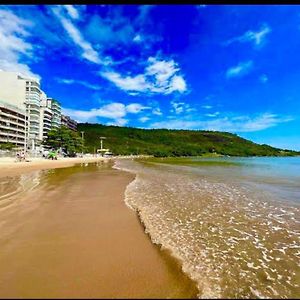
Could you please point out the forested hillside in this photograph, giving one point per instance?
(164, 142)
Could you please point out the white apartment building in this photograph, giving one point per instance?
(23, 93)
(22, 98)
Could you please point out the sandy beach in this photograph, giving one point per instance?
(66, 233)
(9, 167)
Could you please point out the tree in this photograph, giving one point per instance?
(64, 138)
(7, 146)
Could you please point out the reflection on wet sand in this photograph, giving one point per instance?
(67, 233)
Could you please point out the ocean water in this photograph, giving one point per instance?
(233, 223)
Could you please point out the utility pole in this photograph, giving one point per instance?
(82, 136)
(101, 141)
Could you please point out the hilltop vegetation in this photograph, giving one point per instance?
(164, 142)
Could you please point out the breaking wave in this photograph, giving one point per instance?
(233, 241)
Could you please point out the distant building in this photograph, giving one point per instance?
(68, 122)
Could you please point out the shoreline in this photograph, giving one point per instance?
(46, 234)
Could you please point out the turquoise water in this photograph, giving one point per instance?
(233, 223)
(277, 175)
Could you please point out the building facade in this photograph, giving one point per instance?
(23, 93)
(56, 109)
(12, 125)
(68, 122)
(46, 117)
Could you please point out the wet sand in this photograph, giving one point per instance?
(68, 234)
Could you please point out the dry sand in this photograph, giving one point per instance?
(66, 233)
(9, 167)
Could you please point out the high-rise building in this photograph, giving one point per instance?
(21, 99)
(56, 109)
(68, 122)
(25, 94)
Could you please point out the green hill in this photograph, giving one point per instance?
(164, 142)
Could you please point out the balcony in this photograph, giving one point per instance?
(13, 122)
(13, 141)
(9, 129)
(2, 113)
(12, 135)
(34, 110)
(33, 101)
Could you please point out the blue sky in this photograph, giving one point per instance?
(215, 67)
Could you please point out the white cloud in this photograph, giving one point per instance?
(157, 111)
(116, 111)
(160, 76)
(137, 38)
(127, 83)
(81, 82)
(256, 37)
(212, 114)
(72, 11)
(87, 50)
(118, 122)
(263, 78)
(240, 70)
(135, 108)
(230, 124)
(13, 44)
(180, 107)
(207, 106)
(110, 111)
(144, 119)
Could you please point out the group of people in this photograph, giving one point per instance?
(20, 156)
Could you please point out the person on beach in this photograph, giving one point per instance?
(20, 156)
(52, 155)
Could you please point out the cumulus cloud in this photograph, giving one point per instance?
(115, 111)
(243, 68)
(160, 77)
(230, 124)
(14, 45)
(256, 37)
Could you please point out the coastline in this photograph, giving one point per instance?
(84, 244)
